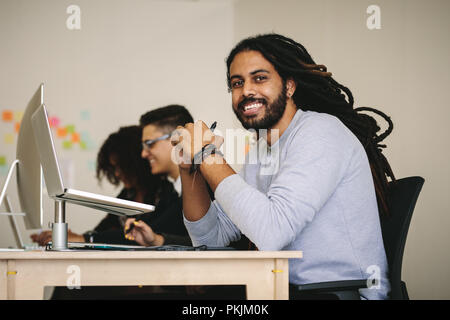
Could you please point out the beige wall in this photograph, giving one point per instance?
(131, 55)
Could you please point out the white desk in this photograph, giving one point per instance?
(265, 274)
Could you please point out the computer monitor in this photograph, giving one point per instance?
(54, 180)
(29, 172)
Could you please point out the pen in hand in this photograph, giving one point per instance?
(194, 166)
(132, 225)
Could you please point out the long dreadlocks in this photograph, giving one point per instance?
(318, 91)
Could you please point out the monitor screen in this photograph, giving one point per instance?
(29, 172)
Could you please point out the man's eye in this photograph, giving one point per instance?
(237, 84)
(260, 78)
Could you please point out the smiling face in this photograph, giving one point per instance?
(259, 94)
(159, 153)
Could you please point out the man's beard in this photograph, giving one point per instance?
(272, 112)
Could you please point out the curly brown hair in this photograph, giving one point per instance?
(125, 147)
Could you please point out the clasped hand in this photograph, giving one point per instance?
(190, 139)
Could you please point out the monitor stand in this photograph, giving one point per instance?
(59, 227)
(12, 220)
(9, 212)
(3, 196)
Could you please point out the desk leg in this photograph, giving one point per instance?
(3, 280)
(281, 273)
(23, 280)
(11, 280)
(273, 284)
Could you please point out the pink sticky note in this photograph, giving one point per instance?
(54, 122)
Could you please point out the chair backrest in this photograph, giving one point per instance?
(403, 194)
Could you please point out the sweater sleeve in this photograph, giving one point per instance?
(314, 164)
(214, 229)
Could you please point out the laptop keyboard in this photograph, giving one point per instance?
(112, 247)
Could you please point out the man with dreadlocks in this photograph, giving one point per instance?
(322, 199)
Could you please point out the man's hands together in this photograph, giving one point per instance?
(189, 140)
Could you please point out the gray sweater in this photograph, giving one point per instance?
(312, 192)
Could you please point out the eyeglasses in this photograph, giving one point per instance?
(147, 144)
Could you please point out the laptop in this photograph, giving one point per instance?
(54, 181)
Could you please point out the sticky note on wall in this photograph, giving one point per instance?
(85, 115)
(75, 137)
(70, 128)
(8, 138)
(7, 115)
(18, 115)
(61, 132)
(2, 161)
(54, 122)
(67, 145)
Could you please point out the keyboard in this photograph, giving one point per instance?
(117, 247)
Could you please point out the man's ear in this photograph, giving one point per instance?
(290, 87)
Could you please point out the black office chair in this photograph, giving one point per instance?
(403, 194)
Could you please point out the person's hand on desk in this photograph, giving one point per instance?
(142, 233)
(45, 237)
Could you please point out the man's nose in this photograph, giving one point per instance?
(249, 89)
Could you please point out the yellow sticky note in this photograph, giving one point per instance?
(67, 144)
(18, 115)
(9, 138)
(70, 128)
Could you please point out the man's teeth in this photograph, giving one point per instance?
(252, 106)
